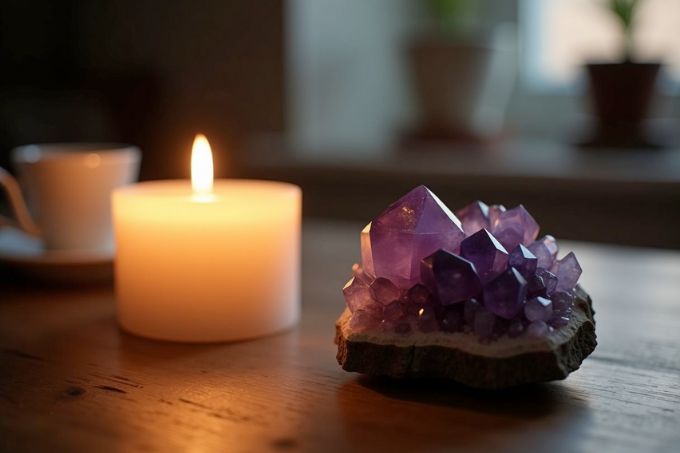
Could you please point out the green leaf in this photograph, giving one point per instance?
(624, 10)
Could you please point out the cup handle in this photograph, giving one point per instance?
(18, 205)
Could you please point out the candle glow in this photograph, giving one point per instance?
(211, 261)
(202, 172)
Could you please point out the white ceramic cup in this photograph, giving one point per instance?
(68, 188)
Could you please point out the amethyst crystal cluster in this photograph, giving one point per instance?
(482, 271)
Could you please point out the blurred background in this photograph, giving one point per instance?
(570, 107)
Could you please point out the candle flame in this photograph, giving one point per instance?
(201, 166)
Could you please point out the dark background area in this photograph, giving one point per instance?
(144, 72)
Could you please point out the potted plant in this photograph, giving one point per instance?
(462, 76)
(622, 92)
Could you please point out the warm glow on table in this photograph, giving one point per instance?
(218, 262)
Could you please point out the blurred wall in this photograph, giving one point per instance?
(348, 80)
(153, 73)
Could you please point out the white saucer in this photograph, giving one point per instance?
(28, 256)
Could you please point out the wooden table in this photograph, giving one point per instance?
(71, 381)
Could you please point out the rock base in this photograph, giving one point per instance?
(460, 357)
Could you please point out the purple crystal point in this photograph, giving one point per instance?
(484, 323)
(545, 250)
(452, 278)
(549, 280)
(393, 314)
(418, 295)
(538, 309)
(536, 286)
(538, 329)
(394, 311)
(384, 291)
(474, 217)
(410, 229)
(486, 253)
(357, 295)
(567, 270)
(364, 320)
(366, 254)
(563, 303)
(515, 226)
(495, 210)
(523, 260)
(504, 296)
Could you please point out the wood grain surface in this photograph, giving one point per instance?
(70, 380)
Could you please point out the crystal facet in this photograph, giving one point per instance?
(495, 210)
(394, 312)
(567, 270)
(384, 291)
(486, 253)
(410, 229)
(474, 217)
(538, 329)
(536, 286)
(538, 309)
(366, 254)
(563, 303)
(418, 295)
(549, 280)
(545, 249)
(523, 260)
(451, 277)
(363, 320)
(357, 295)
(515, 226)
(505, 295)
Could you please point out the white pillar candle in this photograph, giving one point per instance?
(213, 263)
